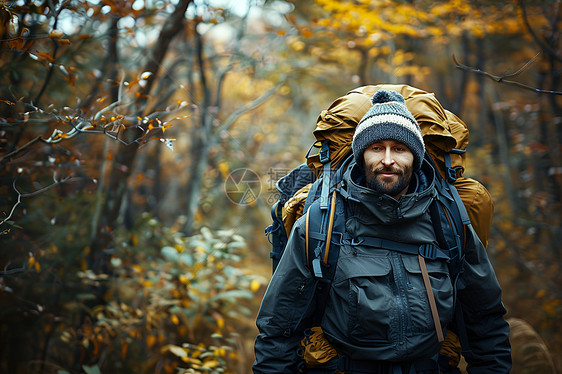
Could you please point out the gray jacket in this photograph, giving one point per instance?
(377, 307)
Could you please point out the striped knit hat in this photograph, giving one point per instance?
(388, 118)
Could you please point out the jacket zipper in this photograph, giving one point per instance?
(401, 298)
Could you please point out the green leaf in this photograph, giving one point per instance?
(91, 369)
(170, 253)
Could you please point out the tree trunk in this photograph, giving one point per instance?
(459, 99)
(125, 157)
(503, 146)
(483, 109)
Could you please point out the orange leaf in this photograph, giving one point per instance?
(65, 41)
(307, 33)
(16, 44)
(150, 340)
(124, 347)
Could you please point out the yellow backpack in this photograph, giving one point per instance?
(442, 130)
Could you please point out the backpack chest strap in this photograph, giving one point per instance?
(428, 251)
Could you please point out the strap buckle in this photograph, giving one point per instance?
(325, 152)
(428, 251)
(451, 175)
(354, 241)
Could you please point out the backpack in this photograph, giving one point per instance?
(462, 201)
(445, 137)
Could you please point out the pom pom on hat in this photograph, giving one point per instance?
(383, 96)
(388, 118)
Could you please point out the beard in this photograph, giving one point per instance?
(392, 188)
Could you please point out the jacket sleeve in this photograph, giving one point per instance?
(479, 294)
(285, 310)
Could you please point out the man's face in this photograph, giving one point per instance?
(388, 167)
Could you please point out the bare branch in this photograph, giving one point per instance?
(8, 156)
(235, 51)
(115, 104)
(537, 40)
(55, 49)
(12, 271)
(55, 183)
(111, 129)
(250, 106)
(501, 78)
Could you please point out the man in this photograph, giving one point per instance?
(378, 317)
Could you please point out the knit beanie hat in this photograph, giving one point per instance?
(388, 118)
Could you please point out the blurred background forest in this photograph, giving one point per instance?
(140, 143)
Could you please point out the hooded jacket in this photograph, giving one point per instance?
(377, 307)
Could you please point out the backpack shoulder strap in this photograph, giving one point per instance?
(450, 219)
(324, 231)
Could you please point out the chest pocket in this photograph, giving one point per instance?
(382, 298)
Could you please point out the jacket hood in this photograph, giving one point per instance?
(384, 209)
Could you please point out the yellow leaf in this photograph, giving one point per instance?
(220, 323)
(150, 341)
(193, 361)
(175, 320)
(65, 41)
(254, 285)
(224, 170)
(183, 279)
(178, 351)
(211, 363)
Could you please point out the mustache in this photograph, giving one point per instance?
(387, 170)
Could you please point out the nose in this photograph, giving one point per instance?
(388, 158)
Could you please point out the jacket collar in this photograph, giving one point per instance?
(384, 208)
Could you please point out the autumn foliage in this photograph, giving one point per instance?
(123, 248)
